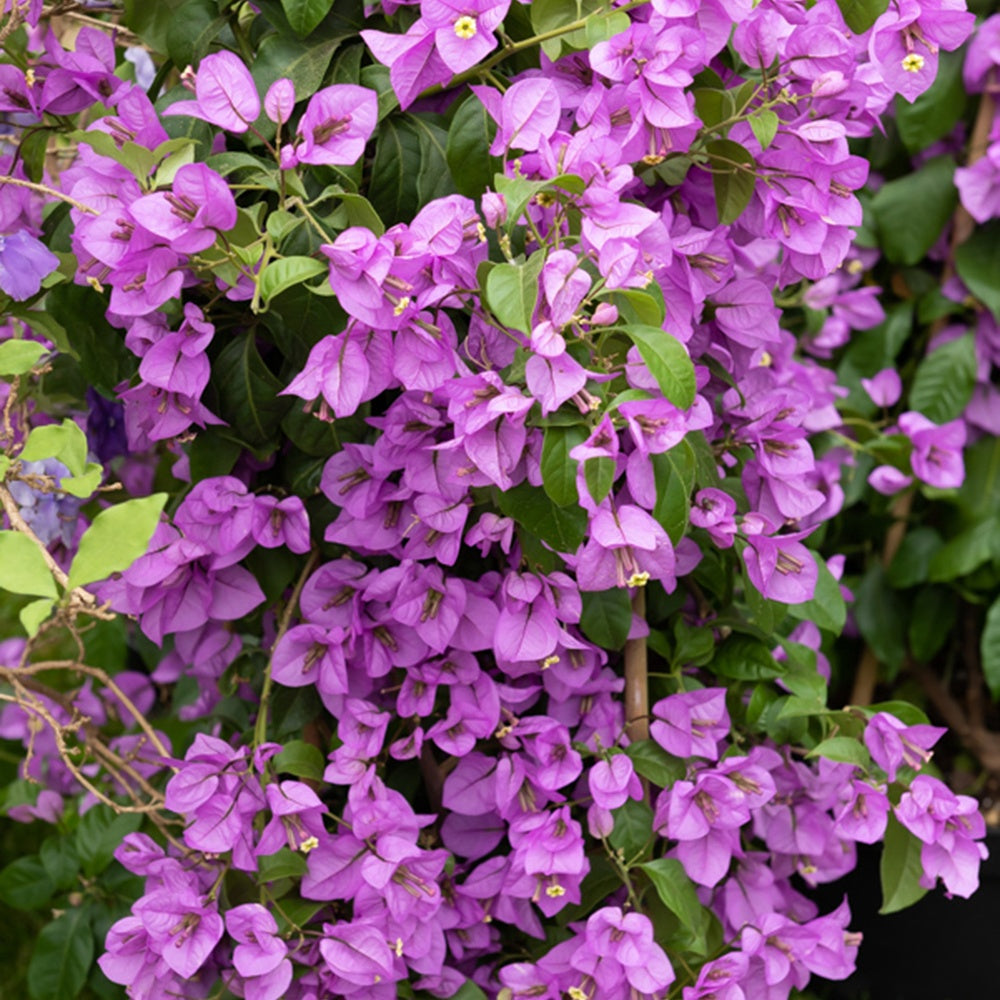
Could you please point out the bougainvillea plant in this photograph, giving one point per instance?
(441, 443)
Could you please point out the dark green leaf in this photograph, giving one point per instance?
(633, 830)
(512, 291)
(673, 473)
(989, 647)
(966, 551)
(860, 15)
(910, 564)
(410, 167)
(248, 392)
(931, 622)
(945, 380)
(880, 617)
(304, 64)
(212, 454)
(745, 659)
(61, 863)
(301, 759)
(678, 894)
(191, 32)
(25, 884)
(284, 864)
(977, 261)
(637, 308)
(668, 362)
(599, 474)
(558, 469)
(900, 868)
(934, 114)
(652, 762)
(468, 148)
(563, 528)
(906, 235)
(62, 957)
(100, 832)
(827, 608)
(305, 15)
(733, 178)
(607, 617)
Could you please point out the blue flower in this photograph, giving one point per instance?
(24, 262)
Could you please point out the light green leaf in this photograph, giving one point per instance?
(842, 749)
(23, 569)
(765, 126)
(115, 539)
(282, 274)
(18, 357)
(65, 442)
(900, 868)
(668, 362)
(84, 485)
(32, 615)
(512, 291)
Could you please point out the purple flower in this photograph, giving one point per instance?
(891, 743)
(225, 94)
(884, 388)
(692, 723)
(24, 263)
(937, 450)
(260, 956)
(337, 123)
(780, 567)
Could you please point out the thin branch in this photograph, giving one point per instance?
(637, 678)
(49, 192)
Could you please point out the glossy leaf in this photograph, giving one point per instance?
(945, 379)
(558, 469)
(280, 275)
(512, 291)
(607, 617)
(900, 868)
(467, 150)
(668, 362)
(305, 15)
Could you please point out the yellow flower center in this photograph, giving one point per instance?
(638, 579)
(465, 27)
(309, 844)
(913, 63)
(575, 993)
(555, 890)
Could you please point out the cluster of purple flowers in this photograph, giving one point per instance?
(434, 635)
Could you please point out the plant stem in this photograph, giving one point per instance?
(637, 679)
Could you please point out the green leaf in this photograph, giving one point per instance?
(467, 150)
(469, 991)
(842, 749)
(652, 762)
(678, 894)
(563, 528)
(23, 569)
(248, 392)
(512, 291)
(638, 308)
(989, 649)
(900, 868)
(301, 759)
(191, 32)
(934, 114)
(743, 658)
(607, 617)
(904, 234)
(305, 15)
(945, 380)
(65, 442)
(977, 261)
(62, 957)
(558, 469)
(61, 863)
(284, 864)
(599, 474)
(281, 275)
(84, 485)
(99, 834)
(880, 617)
(912, 560)
(25, 884)
(17, 357)
(668, 362)
(115, 539)
(765, 126)
(304, 64)
(633, 829)
(32, 615)
(673, 474)
(932, 621)
(966, 551)
(410, 167)
(518, 191)
(860, 15)
(827, 608)
(733, 178)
